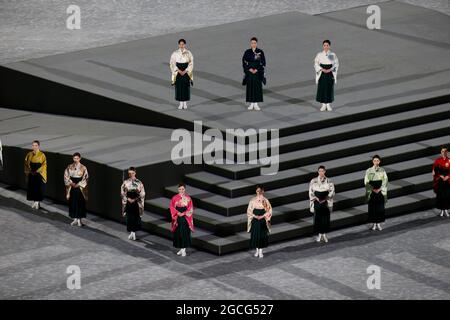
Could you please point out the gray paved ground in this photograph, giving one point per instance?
(412, 251)
(36, 28)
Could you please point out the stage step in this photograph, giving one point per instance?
(352, 176)
(292, 211)
(361, 128)
(301, 158)
(206, 240)
(236, 188)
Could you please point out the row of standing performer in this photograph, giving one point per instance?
(326, 66)
(259, 211)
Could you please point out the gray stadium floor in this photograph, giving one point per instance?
(396, 64)
(412, 252)
(36, 28)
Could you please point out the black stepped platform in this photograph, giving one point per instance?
(391, 118)
(230, 206)
(296, 209)
(226, 186)
(408, 144)
(337, 150)
(290, 230)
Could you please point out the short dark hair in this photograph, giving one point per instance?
(259, 186)
(376, 157)
(181, 40)
(327, 41)
(132, 169)
(444, 148)
(76, 154)
(181, 184)
(254, 39)
(37, 142)
(321, 167)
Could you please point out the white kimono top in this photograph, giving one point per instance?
(326, 58)
(321, 185)
(179, 56)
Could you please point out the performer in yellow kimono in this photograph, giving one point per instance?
(259, 213)
(76, 182)
(181, 66)
(36, 174)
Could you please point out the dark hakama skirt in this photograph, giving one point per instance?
(132, 217)
(182, 234)
(325, 87)
(321, 216)
(253, 82)
(77, 203)
(259, 234)
(36, 185)
(376, 208)
(182, 84)
(443, 195)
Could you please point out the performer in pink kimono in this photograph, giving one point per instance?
(182, 210)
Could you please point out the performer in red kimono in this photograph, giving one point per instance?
(182, 210)
(441, 182)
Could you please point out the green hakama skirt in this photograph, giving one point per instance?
(325, 87)
(259, 234)
(182, 234)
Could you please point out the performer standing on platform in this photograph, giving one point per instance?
(441, 182)
(259, 213)
(321, 193)
(182, 212)
(76, 181)
(36, 174)
(326, 65)
(376, 181)
(133, 197)
(182, 65)
(254, 63)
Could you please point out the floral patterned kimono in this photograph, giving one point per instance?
(36, 173)
(133, 189)
(77, 197)
(322, 189)
(376, 178)
(259, 228)
(182, 226)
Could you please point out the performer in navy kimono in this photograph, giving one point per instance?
(254, 63)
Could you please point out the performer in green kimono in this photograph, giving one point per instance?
(181, 66)
(326, 65)
(36, 174)
(259, 213)
(376, 181)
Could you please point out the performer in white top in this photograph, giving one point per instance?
(326, 65)
(181, 66)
